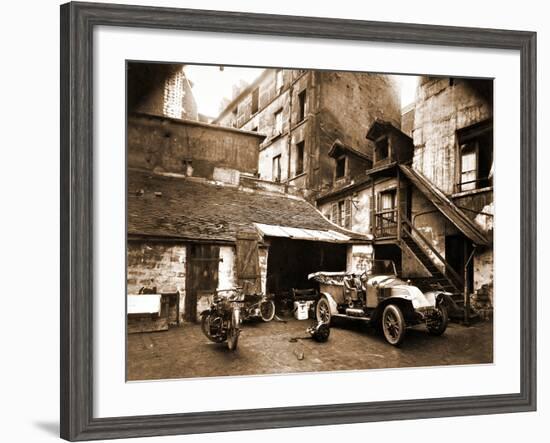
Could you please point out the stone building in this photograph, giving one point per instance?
(426, 200)
(160, 89)
(199, 218)
(302, 112)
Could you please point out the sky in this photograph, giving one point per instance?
(211, 84)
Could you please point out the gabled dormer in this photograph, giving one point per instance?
(390, 145)
(348, 162)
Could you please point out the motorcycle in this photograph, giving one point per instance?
(258, 306)
(222, 321)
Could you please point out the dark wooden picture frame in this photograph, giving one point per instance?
(77, 24)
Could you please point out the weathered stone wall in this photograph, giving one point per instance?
(167, 145)
(483, 278)
(478, 206)
(159, 265)
(359, 258)
(266, 155)
(160, 89)
(431, 223)
(360, 209)
(339, 105)
(443, 106)
(349, 104)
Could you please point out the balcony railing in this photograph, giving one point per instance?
(385, 223)
(473, 184)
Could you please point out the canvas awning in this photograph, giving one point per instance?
(301, 233)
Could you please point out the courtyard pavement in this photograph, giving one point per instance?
(268, 348)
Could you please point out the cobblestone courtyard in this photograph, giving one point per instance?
(266, 348)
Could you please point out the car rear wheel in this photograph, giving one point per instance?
(393, 325)
(322, 311)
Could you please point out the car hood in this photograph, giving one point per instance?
(401, 289)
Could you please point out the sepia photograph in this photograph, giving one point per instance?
(287, 220)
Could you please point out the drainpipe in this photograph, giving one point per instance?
(466, 293)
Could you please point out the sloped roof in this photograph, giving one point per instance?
(381, 127)
(194, 209)
(469, 228)
(338, 147)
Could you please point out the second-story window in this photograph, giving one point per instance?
(302, 98)
(234, 115)
(382, 149)
(340, 167)
(276, 169)
(279, 122)
(475, 157)
(279, 81)
(255, 101)
(341, 213)
(299, 159)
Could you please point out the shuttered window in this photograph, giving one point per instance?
(334, 218)
(341, 213)
(347, 214)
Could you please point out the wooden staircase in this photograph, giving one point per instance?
(443, 276)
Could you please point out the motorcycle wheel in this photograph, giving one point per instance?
(267, 310)
(205, 327)
(233, 331)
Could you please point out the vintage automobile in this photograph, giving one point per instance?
(380, 298)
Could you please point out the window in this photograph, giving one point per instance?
(382, 149)
(254, 129)
(234, 113)
(468, 169)
(341, 213)
(386, 217)
(255, 101)
(387, 200)
(340, 167)
(276, 169)
(299, 159)
(279, 81)
(301, 105)
(475, 157)
(279, 122)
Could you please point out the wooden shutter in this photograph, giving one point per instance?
(248, 262)
(347, 213)
(335, 213)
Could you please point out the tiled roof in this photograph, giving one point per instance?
(176, 207)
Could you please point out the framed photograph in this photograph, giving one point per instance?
(272, 221)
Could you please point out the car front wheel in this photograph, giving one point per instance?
(393, 325)
(439, 321)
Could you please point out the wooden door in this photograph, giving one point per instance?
(248, 262)
(202, 276)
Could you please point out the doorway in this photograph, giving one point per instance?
(457, 251)
(202, 276)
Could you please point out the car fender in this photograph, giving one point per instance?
(405, 304)
(438, 297)
(332, 304)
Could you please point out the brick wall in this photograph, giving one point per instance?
(157, 265)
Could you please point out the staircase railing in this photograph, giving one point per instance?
(407, 228)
